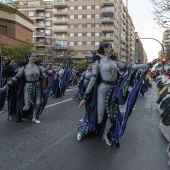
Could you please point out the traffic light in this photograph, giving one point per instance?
(137, 38)
(163, 58)
(163, 61)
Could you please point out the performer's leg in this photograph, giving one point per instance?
(102, 92)
(26, 100)
(38, 102)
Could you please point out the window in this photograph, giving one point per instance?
(79, 34)
(79, 25)
(71, 7)
(97, 16)
(88, 16)
(97, 34)
(88, 34)
(97, 7)
(47, 23)
(79, 52)
(79, 43)
(79, 16)
(88, 52)
(88, 25)
(96, 43)
(88, 7)
(71, 34)
(79, 7)
(71, 25)
(47, 32)
(71, 16)
(31, 13)
(48, 14)
(88, 43)
(96, 25)
(71, 43)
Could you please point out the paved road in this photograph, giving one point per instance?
(52, 145)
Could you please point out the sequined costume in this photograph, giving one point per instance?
(107, 69)
(86, 75)
(83, 83)
(32, 87)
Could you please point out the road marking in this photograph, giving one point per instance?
(58, 103)
(70, 89)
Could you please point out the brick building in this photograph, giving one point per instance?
(15, 28)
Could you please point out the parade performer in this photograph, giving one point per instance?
(98, 92)
(60, 81)
(26, 97)
(83, 83)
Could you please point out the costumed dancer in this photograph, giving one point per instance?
(26, 86)
(83, 83)
(95, 120)
(60, 81)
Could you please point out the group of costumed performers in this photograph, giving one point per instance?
(163, 106)
(27, 94)
(60, 81)
(101, 98)
(83, 83)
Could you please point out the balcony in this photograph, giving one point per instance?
(40, 7)
(60, 30)
(40, 43)
(60, 12)
(60, 3)
(107, 29)
(40, 16)
(61, 37)
(108, 10)
(108, 2)
(108, 37)
(40, 52)
(40, 25)
(40, 34)
(60, 21)
(107, 20)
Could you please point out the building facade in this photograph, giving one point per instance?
(15, 28)
(166, 44)
(74, 27)
(42, 15)
(140, 54)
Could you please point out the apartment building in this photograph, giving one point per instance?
(80, 26)
(15, 28)
(166, 43)
(41, 13)
(84, 24)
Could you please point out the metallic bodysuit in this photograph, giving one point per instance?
(108, 71)
(32, 75)
(86, 75)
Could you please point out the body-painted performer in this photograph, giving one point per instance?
(25, 86)
(94, 117)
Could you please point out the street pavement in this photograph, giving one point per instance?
(52, 145)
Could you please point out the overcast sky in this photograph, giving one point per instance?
(141, 13)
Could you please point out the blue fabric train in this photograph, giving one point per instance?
(121, 118)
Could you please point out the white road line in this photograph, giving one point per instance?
(58, 103)
(70, 89)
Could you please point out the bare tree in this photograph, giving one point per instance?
(8, 5)
(161, 12)
(56, 51)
